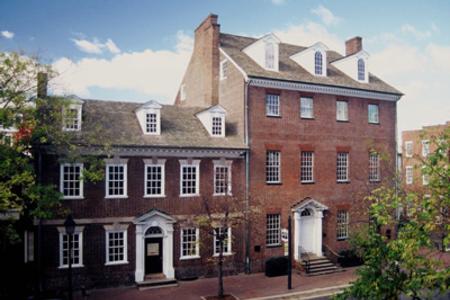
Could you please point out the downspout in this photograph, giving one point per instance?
(247, 179)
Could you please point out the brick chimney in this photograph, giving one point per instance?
(353, 45)
(42, 81)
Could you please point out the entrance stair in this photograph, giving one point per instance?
(318, 265)
(156, 281)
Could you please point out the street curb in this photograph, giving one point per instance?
(332, 290)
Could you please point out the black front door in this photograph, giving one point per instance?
(153, 255)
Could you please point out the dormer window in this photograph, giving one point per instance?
(217, 126)
(72, 115)
(149, 117)
(361, 70)
(318, 63)
(270, 56)
(265, 52)
(213, 119)
(151, 121)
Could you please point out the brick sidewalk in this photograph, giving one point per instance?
(242, 286)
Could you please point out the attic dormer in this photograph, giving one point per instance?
(149, 117)
(72, 114)
(265, 52)
(313, 59)
(213, 119)
(355, 63)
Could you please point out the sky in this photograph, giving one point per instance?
(138, 50)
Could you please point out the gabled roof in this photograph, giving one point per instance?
(309, 203)
(289, 70)
(152, 214)
(150, 104)
(214, 109)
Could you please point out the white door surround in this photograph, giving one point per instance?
(308, 216)
(165, 222)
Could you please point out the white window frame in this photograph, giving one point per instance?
(155, 163)
(196, 165)
(148, 124)
(342, 105)
(342, 225)
(425, 148)
(269, 113)
(306, 107)
(425, 177)
(273, 231)
(303, 167)
(347, 166)
(269, 56)
(409, 153)
(222, 125)
(61, 180)
(374, 165)
(78, 231)
(376, 116)
(318, 64)
(361, 69)
(409, 175)
(272, 166)
(224, 65)
(111, 229)
(197, 244)
(78, 108)
(117, 163)
(229, 238)
(223, 164)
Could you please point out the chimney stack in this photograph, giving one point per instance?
(42, 80)
(353, 45)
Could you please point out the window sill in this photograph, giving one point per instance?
(307, 118)
(189, 195)
(73, 266)
(189, 257)
(222, 195)
(307, 182)
(73, 198)
(116, 263)
(224, 254)
(116, 197)
(274, 246)
(375, 181)
(274, 116)
(372, 123)
(274, 183)
(343, 182)
(155, 196)
(343, 121)
(342, 239)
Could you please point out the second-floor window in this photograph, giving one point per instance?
(222, 178)
(116, 180)
(306, 108)
(151, 122)
(425, 148)
(272, 105)
(273, 167)
(154, 178)
(341, 110)
(71, 182)
(373, 114)
(307, 166)
(273, 230)
(409, 175)
(374, 167)
(342, 167)
(217, 126)
(409, 148)
(190, 178)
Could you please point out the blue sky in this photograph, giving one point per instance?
(137, 50)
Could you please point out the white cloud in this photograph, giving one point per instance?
(149, 72)
(327, 17)
(95, 46)
(278, 2)
(7, 34)
(420, 35)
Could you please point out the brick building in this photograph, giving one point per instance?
(297, 131)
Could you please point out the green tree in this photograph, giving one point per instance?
(410, 264)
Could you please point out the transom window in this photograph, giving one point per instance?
(151, 122)
(225, 234)
(307, 166)
(342, 220)
(273, 167)
(273, 228)
(306, 213)
(361, 70)
(116, 180)
(318, 64)
(72, 118)
(71, 183)
(223, 69)
(116, 247)
(409, 148)
(217, 126)
(374, 167)
(342, 110)
(270, 56)
(425, 148)
(222, 179)
(373, 114)
(189, 183)
(154, 178)
(306, 108)
(342, 167)
(409, 175)
(272, 105)
(77, 249)
(190, 242)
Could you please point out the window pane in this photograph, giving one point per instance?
(373, 113)
(318, 63)
(189, 180)
(151, 122)
(342, 110)
(189, 243)
(116, 180)
(342, 224)
(71, 180)
(273, 229)
(116, 246)
(153, 182)
(306, 108)
(217, 126)
(342, 166)
(272, 105)
(306, 166)
(374, 167)
(273, 167)
(221, 180)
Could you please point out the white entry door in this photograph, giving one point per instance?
(307, 232)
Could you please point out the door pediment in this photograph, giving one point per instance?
(309, 203)
(154, 217)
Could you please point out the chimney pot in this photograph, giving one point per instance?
(353, 45)
(42, 81)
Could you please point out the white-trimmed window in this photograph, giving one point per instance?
(425, 148)
(183, 92)
(116, 180)
(408, 148)
(306, 108)
(222, 177)
(154, 180)
(342, 167)
(409, 174)
(425, 177)
(116, 247)
(272, 105)
(273, 167)
(341, 110)
(151, 122)
(342, 221)
(273, 230)
(226, 243)
(223, 69)
(270, 56)
(189, 178)
(28, 240)
(72, 118)
(318, 63)
(217, 126)
(374, 167)
(71, 182)
(77, 248)
(190, 243)
(307, 166)
(373, 114)
(361, 70)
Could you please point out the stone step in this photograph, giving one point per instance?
(313, 268)
(156, 283)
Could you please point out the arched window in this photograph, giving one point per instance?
(318, 63)
(361, 70)
(306, 212)
(270, 56)
(154, 230)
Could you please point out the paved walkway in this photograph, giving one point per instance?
(243, 286)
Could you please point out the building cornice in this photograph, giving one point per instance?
(323, 89)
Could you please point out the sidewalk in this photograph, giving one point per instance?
(243, 286)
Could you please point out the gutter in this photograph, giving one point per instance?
(247, 177)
